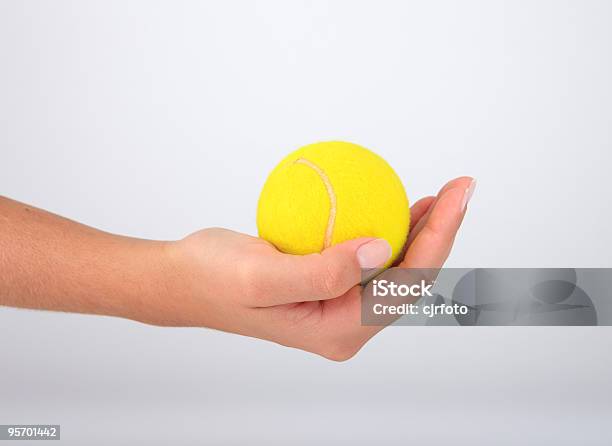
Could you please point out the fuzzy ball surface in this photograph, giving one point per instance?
(329, 192)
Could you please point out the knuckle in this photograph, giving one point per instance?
(211, 232)
(251, 279)
(328, 281)
(431, 230)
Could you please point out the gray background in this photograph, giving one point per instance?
(155, 119)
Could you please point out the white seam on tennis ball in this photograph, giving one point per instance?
(332, 199)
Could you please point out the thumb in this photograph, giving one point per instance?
(294, 278)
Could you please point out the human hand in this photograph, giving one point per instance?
(241, 284)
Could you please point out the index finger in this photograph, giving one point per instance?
(434, 241)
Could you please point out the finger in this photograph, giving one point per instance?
(419, 209)
(418, 226)
(455, 183)
(417, 212)
(433, 241)
(283, 278)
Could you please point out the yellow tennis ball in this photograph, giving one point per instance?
(330, 192)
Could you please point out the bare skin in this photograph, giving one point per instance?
(213, 278)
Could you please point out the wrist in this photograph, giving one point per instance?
(146, 281)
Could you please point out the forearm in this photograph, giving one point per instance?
(49, 262)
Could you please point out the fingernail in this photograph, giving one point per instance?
(467, 196)
(374, 254)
